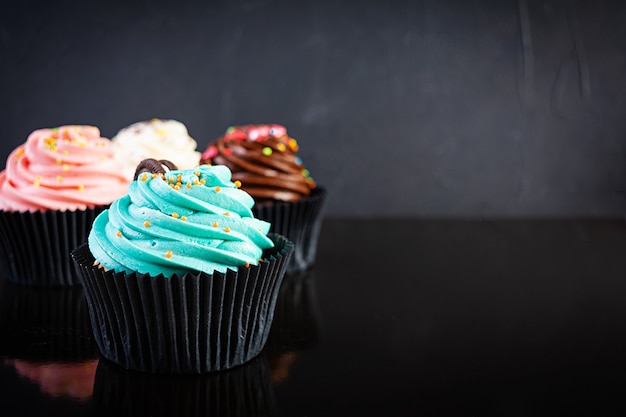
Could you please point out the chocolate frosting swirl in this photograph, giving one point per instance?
(264, 159)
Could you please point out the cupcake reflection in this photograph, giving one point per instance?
(45, 325)
(295, 327)
(241, 391)
(58, 379)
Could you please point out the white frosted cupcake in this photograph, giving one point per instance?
(157, 139)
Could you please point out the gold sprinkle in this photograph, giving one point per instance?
(217, 189)
(172, 179)
(202, 181)
(188, 185)
(154, 176)
(226, 213)
(146, 223)
(184, 218)
(247, 264)
(38, 177)
(119, 234)
(197, 173)
(81, 187)
(175, 215)
(227, 229)
(144, 177)
(215, 224)
(177, 187)
(59, 178)
(20, 152)
(237, 183)
(102, 157)
(180, 178)
(207, 165)
(168, 254)
(36, 184)
(66, 167)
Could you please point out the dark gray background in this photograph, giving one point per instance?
(401, 108)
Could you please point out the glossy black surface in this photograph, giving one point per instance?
(410, 317)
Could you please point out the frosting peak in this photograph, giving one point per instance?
(180, 221)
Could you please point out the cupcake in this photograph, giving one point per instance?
(156, 139)
(53, 187)
(263, 158)
(179, 277)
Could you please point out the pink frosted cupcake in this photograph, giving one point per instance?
(52, 188)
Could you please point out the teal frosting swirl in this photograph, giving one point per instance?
(182, 221)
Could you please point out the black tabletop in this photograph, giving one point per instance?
(397, 317)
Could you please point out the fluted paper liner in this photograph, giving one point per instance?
(189, 324)
(36, 246)
(45, 324)
(245, 390)
(300, 222)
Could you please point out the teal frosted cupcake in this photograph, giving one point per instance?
(179, 276)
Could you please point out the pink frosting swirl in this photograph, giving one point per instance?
(66, 168)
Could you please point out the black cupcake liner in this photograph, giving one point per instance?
(36, 246)
(245, 390)
(189, 324)
(300, 222)
(45, 324)
(296, 325)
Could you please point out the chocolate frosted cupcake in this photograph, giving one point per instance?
(53, 187)
(179, 276)
(264, 160)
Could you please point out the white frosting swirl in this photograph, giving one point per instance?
(158, 139)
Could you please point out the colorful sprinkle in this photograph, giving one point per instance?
(306, 172)
(267, 151)
(281, 147)
(211, 152)
(20, 152)
(66, 167)
(293, 144)
(298, 161)
(80, 187)
(36, 184)
(59, 178)
(247, 265)
(59, 161)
